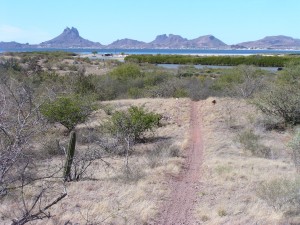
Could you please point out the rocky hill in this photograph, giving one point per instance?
(70, 38)
(165, 41)
(273, 42)
(127, 43)
(14, 45)
(207, 41)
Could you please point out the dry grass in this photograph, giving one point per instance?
(107, 196)
(230, 174)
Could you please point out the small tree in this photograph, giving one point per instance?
(94, 53)
(134, 122)
(130, 126)
(282, 98)
(68, 111)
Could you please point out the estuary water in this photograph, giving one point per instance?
(176, 66)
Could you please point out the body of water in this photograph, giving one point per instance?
(160, 51)
(176, 66)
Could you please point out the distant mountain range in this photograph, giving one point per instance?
(273, 42)
(70, 38)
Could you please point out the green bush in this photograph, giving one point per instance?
(187, 71)
(280, 101)
(241, 81)
(83, 85)
(126, 71)
(282, 97)
(133, 123)
(68, 110)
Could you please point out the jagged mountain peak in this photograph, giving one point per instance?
(70, 38)
(72, 30)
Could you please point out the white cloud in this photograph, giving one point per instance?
(13, 33)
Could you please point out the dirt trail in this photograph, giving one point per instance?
(179, 207)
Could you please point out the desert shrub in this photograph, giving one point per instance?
(88, 135)
(242, 81)
(280, 101)
(272, 123)
(282, 98)
(53, 147)
(126, 71)
(49, 66)
(222, 212)
(107, 108)
(199, 88)
(155, 78)
(295, 146)
(173, 151)
(68, 110)
(282, 194)
(135, 92)
(173, 87)
(133, 123)
(154, 157)
(10, 63)
(180, 93)
(290, 74)
(131, 174)
(62, 66)
(83, 85)
(108, 88)
(251, 142)
(160, 152)
(187, 71)
(71, 67)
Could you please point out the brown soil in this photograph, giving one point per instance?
(179, 208)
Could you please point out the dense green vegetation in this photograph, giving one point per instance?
(256, 60)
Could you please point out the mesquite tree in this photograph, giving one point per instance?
(20, 123)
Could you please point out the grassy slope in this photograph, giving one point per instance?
(231, 175)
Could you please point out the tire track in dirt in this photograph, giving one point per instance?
(179, 207)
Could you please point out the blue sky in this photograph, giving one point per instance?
(105, 21)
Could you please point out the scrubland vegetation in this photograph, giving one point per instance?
(92, 142)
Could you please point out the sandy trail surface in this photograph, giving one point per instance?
(179, 208)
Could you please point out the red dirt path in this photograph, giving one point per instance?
(179, 207)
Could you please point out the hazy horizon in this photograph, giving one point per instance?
(232, 21)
